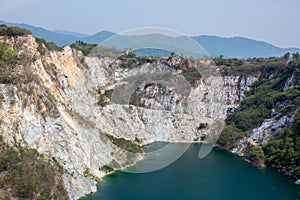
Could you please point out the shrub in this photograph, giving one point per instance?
(13, 31)
(127, 145)
(257, 152)
(8, 61)
(202, 126)
(7, 78)
(43, 46)
(192, 75)
(230, 137)
(106, 169)
(249, 118)
(104, 99)
(129, 60)
(82, 61)
(283, 152)
(85, 48)
(256, 155)
(8, 57)
(26, 174)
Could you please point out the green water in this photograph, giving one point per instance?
(220, 175)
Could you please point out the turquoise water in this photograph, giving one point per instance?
(220, 175)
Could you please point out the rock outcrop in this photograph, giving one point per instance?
(55, 110)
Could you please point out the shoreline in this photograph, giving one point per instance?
(240, 155)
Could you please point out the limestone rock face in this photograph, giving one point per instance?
(163, 112)
(269, 128)
(55, 113)
(55, 110)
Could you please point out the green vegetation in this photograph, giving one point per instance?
(296, 57)
(202, 126)
(103, 101)
(25, 174)
(7, 56)
(16, 69)
(8, 61)
(101, 52)
(230, 137)
(135, 98)
(256, 154)
(128, 59)
(85, 48)
(82, 61)
(172, 54)
(248, 67)
(104, 98)
(283, 152)
(43, 46)
(249, 118)
(86, 172)
(266, 93)
(106, 169)
(13, 31)
(127, 145)
(191, 75)
(269, 92)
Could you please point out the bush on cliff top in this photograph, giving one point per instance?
(85, 48)
(13, 31)
(43, 46)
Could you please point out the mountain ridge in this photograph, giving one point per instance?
(229, 47)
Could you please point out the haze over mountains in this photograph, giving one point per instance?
(236, 47)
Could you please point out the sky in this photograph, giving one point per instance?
(273, 21)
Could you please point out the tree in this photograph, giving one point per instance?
(286, 57)
(296, 57)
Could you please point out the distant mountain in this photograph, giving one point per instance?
(50, 36)
(98, 37)
(78, 35)
(60, 37)
(237, 47)
(240, 47)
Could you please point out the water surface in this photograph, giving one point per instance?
(220, 175)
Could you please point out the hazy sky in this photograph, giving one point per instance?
(274, 21)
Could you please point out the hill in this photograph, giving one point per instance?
(61, 37)
(240, 47)
(236, 47)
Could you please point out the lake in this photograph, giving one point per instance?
(220, 175)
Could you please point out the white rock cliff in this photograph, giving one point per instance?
(69, 127)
